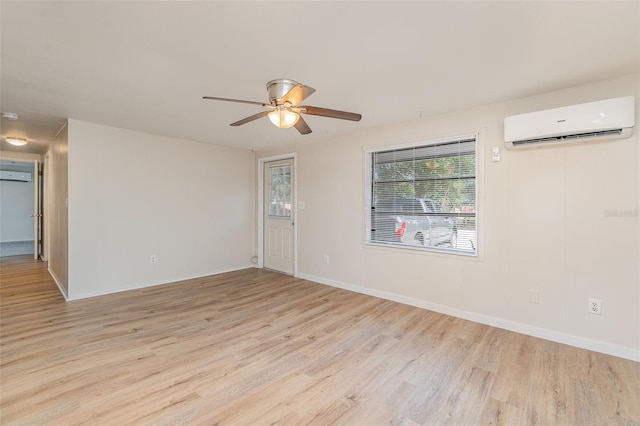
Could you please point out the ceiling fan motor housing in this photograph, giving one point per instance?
(278, 88)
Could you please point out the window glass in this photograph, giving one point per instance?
(424, 196)
(280, 191)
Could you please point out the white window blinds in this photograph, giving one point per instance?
(424, 196)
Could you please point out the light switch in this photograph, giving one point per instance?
(495, 153)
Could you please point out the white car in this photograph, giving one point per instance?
(413, 221)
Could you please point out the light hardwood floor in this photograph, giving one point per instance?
(257, 348)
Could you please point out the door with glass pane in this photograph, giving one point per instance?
(278, 216)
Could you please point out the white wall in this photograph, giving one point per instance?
(133, 195)
(542, 225)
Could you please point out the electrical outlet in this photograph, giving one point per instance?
(595, 306)
(534, 296)
(325, 259)
(153, 259)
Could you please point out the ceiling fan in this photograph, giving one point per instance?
(284, 107)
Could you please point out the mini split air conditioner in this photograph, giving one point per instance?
(15, 176)
(607, 119)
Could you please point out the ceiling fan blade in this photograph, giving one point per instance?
(297, 94)
(213, 98)
(302, 126)
(333, 113)
(251, 118)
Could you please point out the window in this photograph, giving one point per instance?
(424, 196)
(280, 191)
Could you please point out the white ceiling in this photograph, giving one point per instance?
(146, 65)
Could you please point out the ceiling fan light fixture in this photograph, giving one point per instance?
(16, 141)
(283, 118)
(284, 108)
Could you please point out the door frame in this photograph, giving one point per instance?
(46, 187)
(25, 158)
(294, 208)
(37, 210)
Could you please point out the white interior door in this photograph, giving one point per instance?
(278, 216)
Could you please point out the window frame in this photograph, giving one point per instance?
(368, 190)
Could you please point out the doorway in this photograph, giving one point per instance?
(277, 242)
(21, 227)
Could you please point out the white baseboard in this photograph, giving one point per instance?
(16, 248)
(551, 335)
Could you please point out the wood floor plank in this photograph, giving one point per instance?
(254, 347)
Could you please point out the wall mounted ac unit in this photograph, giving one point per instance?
(607, 119)
(15, 176)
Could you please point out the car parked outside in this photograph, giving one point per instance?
(413, 221)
